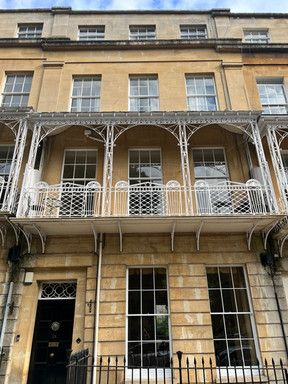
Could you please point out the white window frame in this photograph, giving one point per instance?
(148, 96)
(193, 31)
(273, 82)
(225, 159)
(152, 372)
(142, 32)
(33, 33)
(250, 36)
(13, 93)
(196, 96)
(239, 369)
(144, 149)
(93, 32)
(81, 97)
(73, 179)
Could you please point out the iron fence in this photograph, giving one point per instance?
(180, 370)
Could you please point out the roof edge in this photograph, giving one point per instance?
(213, 11)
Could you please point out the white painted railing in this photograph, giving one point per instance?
(3, 199)
(230, 198)
(145, 199)
(2, 191)
(62, 200)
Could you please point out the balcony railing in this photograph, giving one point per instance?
(145, 199)
(3, 189)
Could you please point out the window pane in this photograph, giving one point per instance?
(134, 302)
(147, 302)
(235, 352)
(68, 172)
(134, 330)
(238, 277)
(232, 326)
(242, 300)
(160, 278)
(90, 171)
(70, 157)
(218, 326)
(215, 300)
(229, 300)
(134, 278)
(245, 326)
(134, 354)
(221, 353)
(161, 302)
(149, 358)
(148, 328)
(145, 157)
(213, 277)
(163, 355)
(79, 171)
(147, 278)
(162, 329)
(249, 352)
(226, 278)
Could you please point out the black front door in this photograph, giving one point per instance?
(51, 341)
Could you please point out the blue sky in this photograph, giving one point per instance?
(235, 6)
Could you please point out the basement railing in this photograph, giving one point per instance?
(179, 370)
(145, 199)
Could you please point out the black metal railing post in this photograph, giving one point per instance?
(179, 355)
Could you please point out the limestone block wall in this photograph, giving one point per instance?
(191, 329)
(73, 259)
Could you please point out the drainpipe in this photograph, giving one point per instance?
(6, 312)
(96, 323)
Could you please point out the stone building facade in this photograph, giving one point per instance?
(144, 161)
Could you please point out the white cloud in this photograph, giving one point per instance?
(236, 6)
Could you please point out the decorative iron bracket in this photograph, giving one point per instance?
(3, 233)
(95, 235)
(28, 238)
(120, 237)
(42, 237)
(266, 231)
(173, 235)
(249, 235)
(198, 233)
(15, 229)
(281, 244)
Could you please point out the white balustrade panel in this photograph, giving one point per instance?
(144, 199)
(63, 200)
(230, 198)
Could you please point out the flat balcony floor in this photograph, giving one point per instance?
(186, 224)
